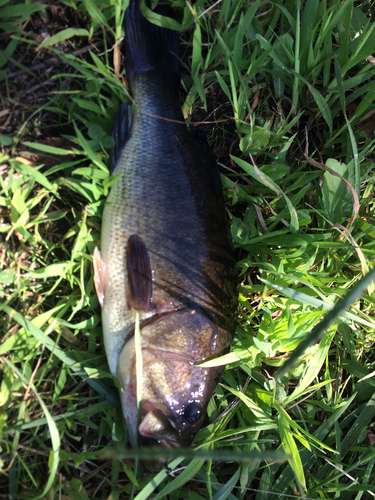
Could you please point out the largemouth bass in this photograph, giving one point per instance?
(166, 252)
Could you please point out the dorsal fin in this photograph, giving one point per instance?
(121, 132)
(139, 289)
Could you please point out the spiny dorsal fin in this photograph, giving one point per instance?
(121, 132)
(139, 290)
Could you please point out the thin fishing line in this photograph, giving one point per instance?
(182, 122)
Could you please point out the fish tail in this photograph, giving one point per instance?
(149, 47)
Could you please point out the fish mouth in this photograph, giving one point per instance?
(156, 429)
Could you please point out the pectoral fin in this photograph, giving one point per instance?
(139, 289)
(100, 276)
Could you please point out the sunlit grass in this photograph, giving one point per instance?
(277, 76)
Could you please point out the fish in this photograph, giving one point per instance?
(166, 252)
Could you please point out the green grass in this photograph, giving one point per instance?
(304, 241)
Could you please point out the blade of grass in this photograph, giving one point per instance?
(307, 299)
(290, 447)
(327, 321)
(75, 366)
(54, 433)
(139, 366)
(295, 96)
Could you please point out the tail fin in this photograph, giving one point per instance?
(149, 47)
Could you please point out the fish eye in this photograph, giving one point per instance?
(192, 413)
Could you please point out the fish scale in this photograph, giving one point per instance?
(165, 214)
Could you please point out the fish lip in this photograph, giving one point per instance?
(157, 428)
(152, 442)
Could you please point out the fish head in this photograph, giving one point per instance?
(175, 391)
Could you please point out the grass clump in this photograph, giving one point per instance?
(286, 91)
